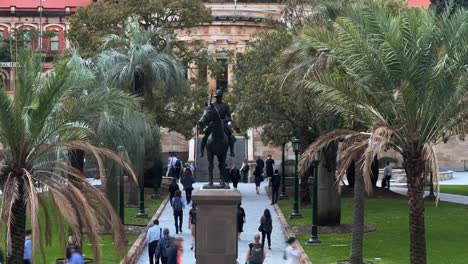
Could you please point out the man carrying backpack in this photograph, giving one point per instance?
(178, 205)
(163, 246)
(255, 253)
(152, 239)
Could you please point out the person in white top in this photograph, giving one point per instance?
(387, 175)
(152, 238)
(293, 252)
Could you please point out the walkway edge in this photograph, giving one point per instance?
(137, 247)
(288, 231)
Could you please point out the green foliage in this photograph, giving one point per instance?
(95, 21)
(390, 218)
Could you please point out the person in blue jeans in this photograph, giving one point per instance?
(178, 205)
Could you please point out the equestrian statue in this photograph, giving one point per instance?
(218, 135)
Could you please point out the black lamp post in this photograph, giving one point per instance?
(314, 238)
(296, 143)
(431, 195)
(283, 195)
(141, 211)
(121, 189)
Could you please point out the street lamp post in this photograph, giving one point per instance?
(121, 189)
(295, 214)
(283, 195)
(314, 238)
(431, 195)
(141, 211)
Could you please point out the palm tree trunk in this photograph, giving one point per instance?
(329, 202)
(18, 227)
(133, 192)
(305, 190)
(358, 217)
(414, 167)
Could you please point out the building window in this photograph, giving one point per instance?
(27, 39)
(222, 79)
(2, 37)
(54, 42)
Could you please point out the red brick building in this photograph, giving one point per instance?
(43, 25)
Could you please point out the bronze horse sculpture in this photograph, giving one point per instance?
(217, 143)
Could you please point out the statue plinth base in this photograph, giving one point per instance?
(216, 228)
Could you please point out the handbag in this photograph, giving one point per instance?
(260, 228)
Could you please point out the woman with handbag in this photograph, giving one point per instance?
(187, 182)
(266, 227)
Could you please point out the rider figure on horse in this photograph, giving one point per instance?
(225, 114)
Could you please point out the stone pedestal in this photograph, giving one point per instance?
(216, 228)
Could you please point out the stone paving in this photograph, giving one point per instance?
(253, 205)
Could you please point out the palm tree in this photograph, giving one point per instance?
(404, 75)
(38, 127)
(141, 62)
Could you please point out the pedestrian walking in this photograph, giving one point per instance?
(27, 256)
(153, 236)
(235, 176)
(292, 253)
(266, 227)
(163, 246)
(387, 175)
(177, 168)
(173, 187)
(178, 206)
(245, 170)
(192, 222)
(176, 251)
(240, 220)
(70, 246)
(269, 166)
(187, 182)
(260, 164)
(170, 166)
(258, 178)
(76, 257)
(275, 185)
(255, 252)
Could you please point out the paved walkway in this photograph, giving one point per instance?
(253, 205)
(446, 197)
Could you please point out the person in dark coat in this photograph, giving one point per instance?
(258, 178)
(275, 185)
(173, 187)
(174, 254)
(235, 176)
(269, 166)
(240, 220)
(187, 182)
(260, 165)
(245, 170)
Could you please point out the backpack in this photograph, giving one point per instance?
(256, 253)
(178, 164)
(166, 245)
(177, 204)
(267, 225)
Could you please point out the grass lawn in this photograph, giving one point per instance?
(453, 189)
(108, 252)
(446, 234)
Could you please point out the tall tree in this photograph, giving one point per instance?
(274, 74)
(101, 18)
(47, 117)
(406, 72)
(141, 62)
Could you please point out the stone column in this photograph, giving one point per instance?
(216, 228)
